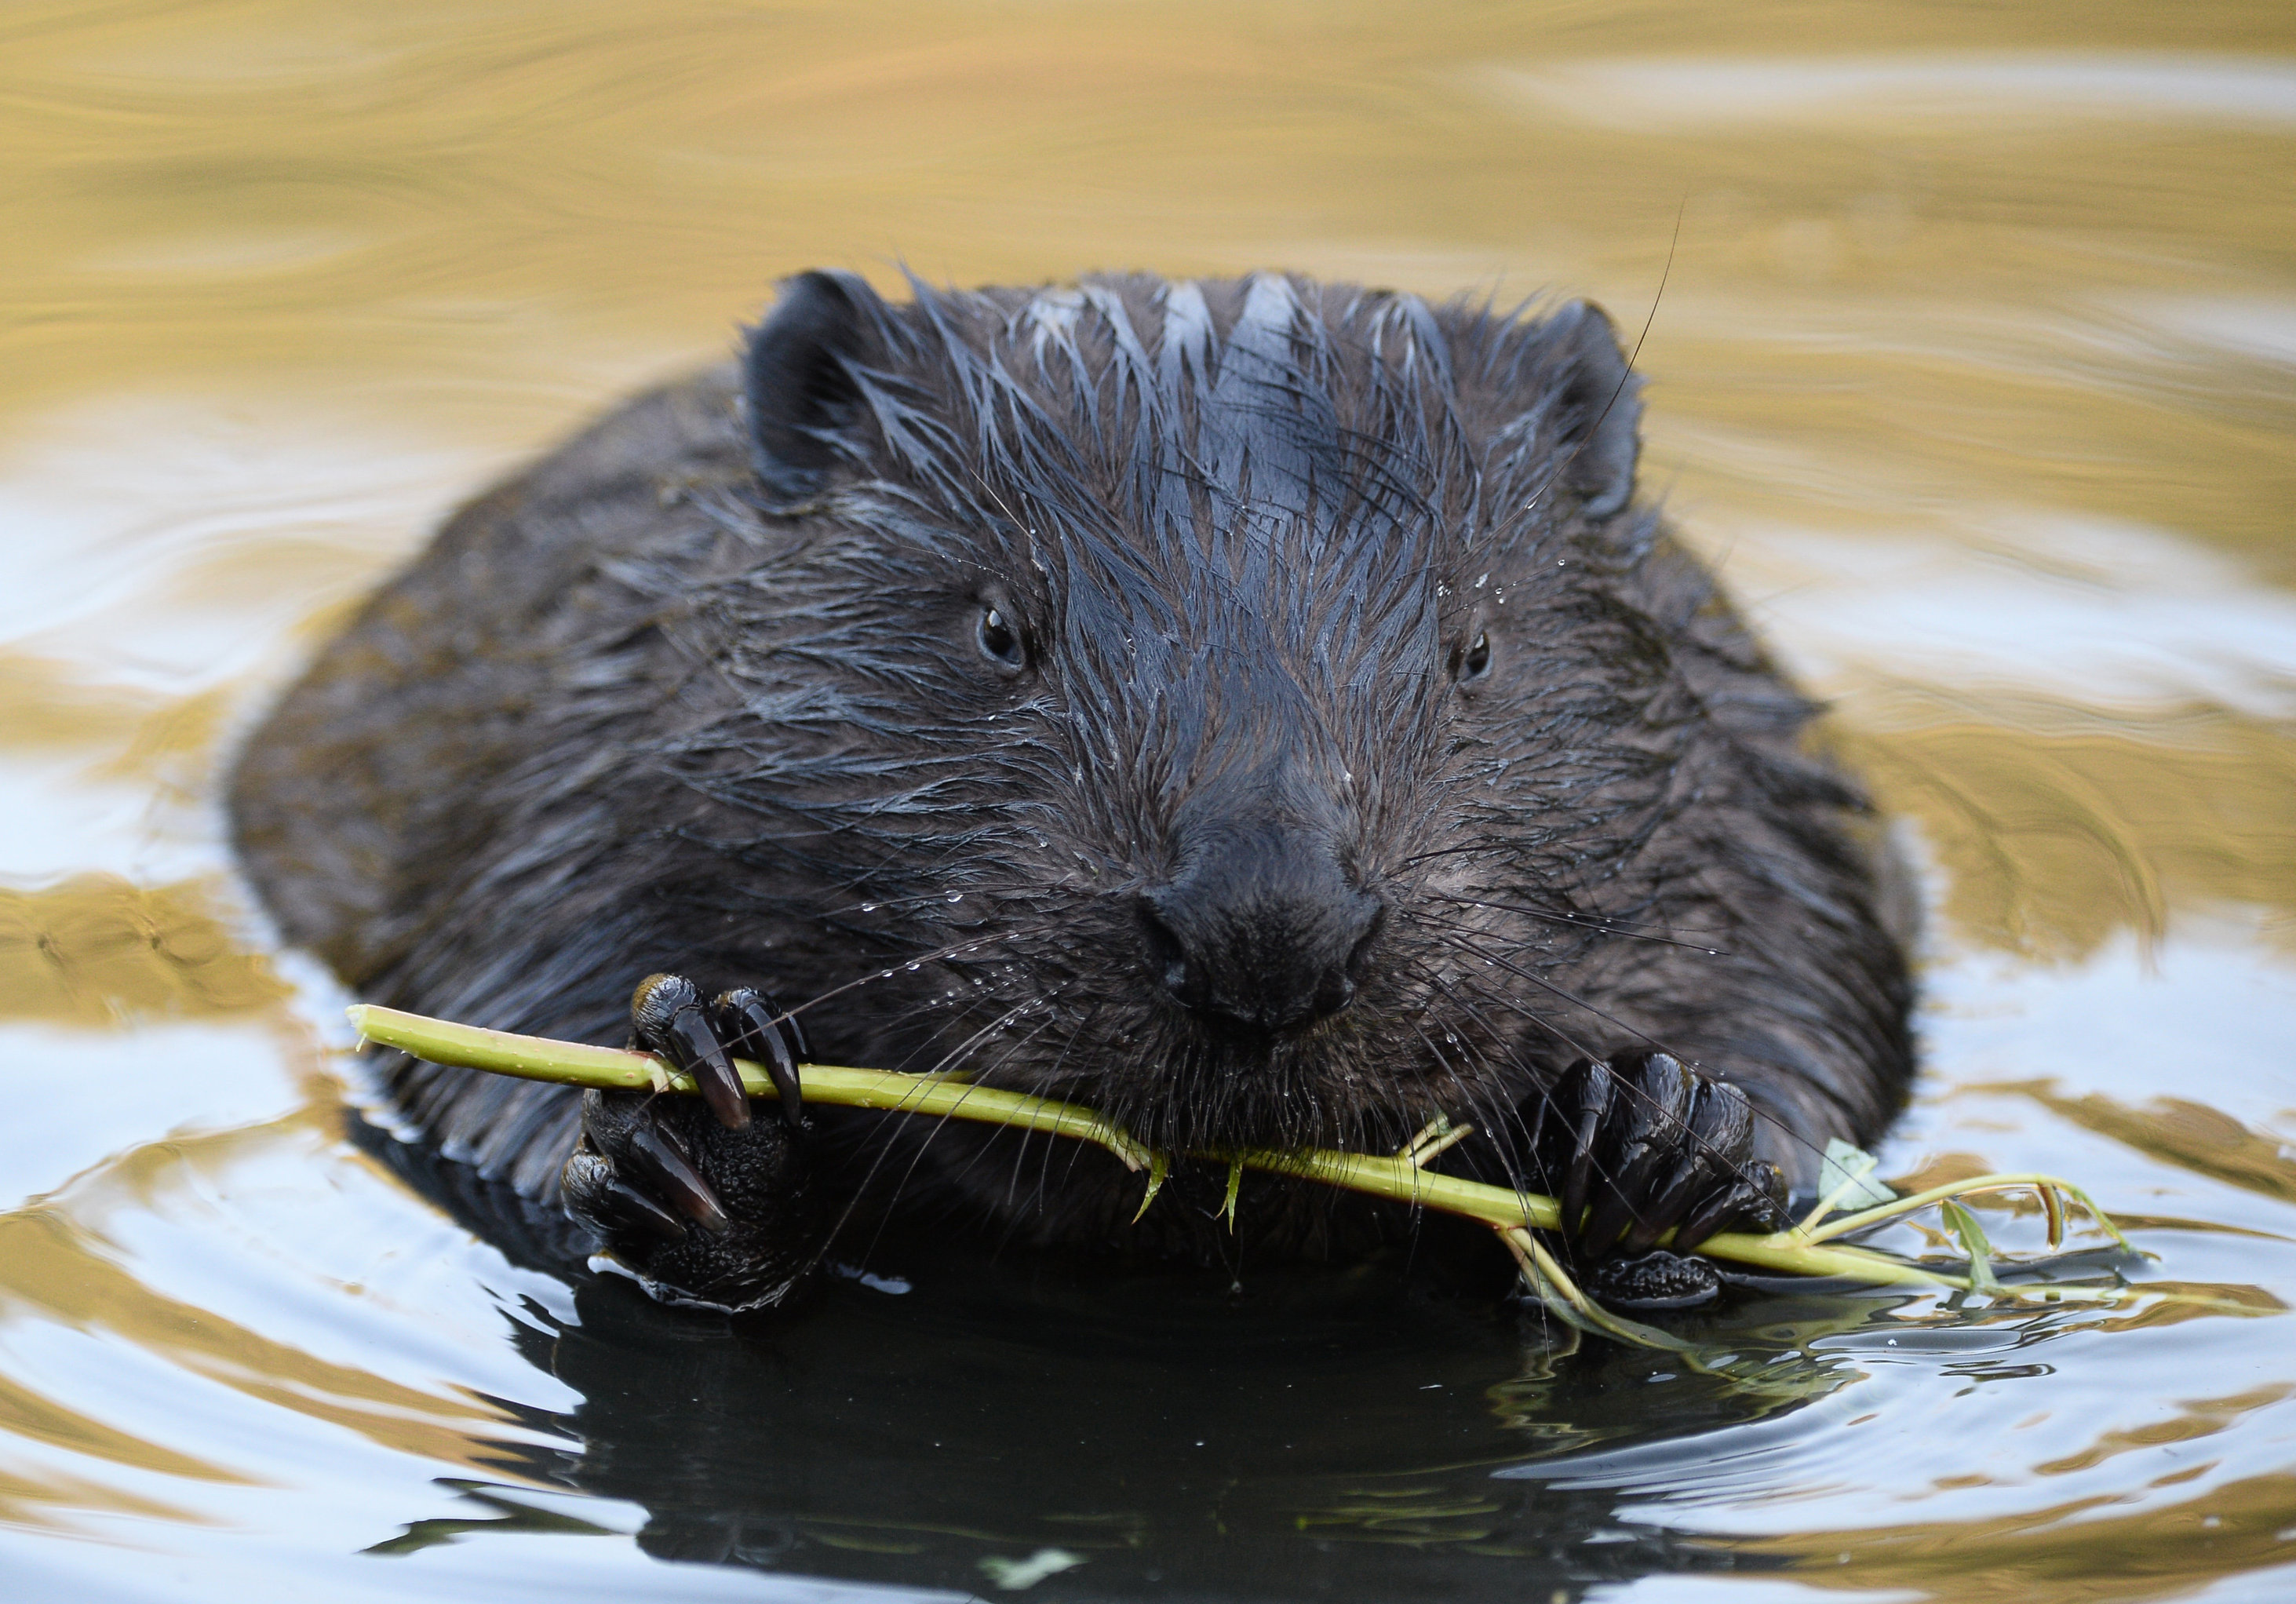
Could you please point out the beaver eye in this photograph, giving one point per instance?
(1000, 643)
(1475, 662)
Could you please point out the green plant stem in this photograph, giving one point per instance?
(612, 1069)
(2047, 1185)
(1798, 1251)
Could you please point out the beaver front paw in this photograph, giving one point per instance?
(703, 1204)
(1644, 1146)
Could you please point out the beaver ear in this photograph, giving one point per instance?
(1596, 407)
(799, 396)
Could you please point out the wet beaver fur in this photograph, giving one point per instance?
(1256, 708)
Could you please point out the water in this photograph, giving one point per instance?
(1975, 370)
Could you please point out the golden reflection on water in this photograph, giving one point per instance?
(2057, 830)
(2076, 1551)
(1990, 313)
(2189, 1135)
(95, 948)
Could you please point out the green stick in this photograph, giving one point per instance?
(1800, 1251)
(612, 1069)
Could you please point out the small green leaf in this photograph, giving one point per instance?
(1973, 1242)
(1235, 1185)
(1427, 1133)
(1846, 1179)
(1159, 1165)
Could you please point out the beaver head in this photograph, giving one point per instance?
(1212, 702)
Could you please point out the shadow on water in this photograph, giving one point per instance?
(962, 1420)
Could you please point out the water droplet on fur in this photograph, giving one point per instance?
(868, 907)
(1479, 580)
(957, 897)
(913, 968)
(884, 974)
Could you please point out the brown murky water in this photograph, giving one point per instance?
(1976, 370)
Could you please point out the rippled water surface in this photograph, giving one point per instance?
(1975, 370)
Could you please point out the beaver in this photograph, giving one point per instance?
(1260, 709)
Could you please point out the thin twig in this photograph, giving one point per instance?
(1513, 1216)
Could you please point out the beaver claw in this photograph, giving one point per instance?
(1647, 1146)
(705, 1205)
(668, 1015)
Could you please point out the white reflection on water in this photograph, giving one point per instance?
(2093, 612)
(2260, 327)
(2209, 1014)
(176, 1078)
(1990, 87)
(173, 542)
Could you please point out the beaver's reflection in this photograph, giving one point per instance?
(1326, 1433)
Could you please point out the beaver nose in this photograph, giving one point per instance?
(1264, 935)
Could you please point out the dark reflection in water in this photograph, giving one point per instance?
(959, 1416)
